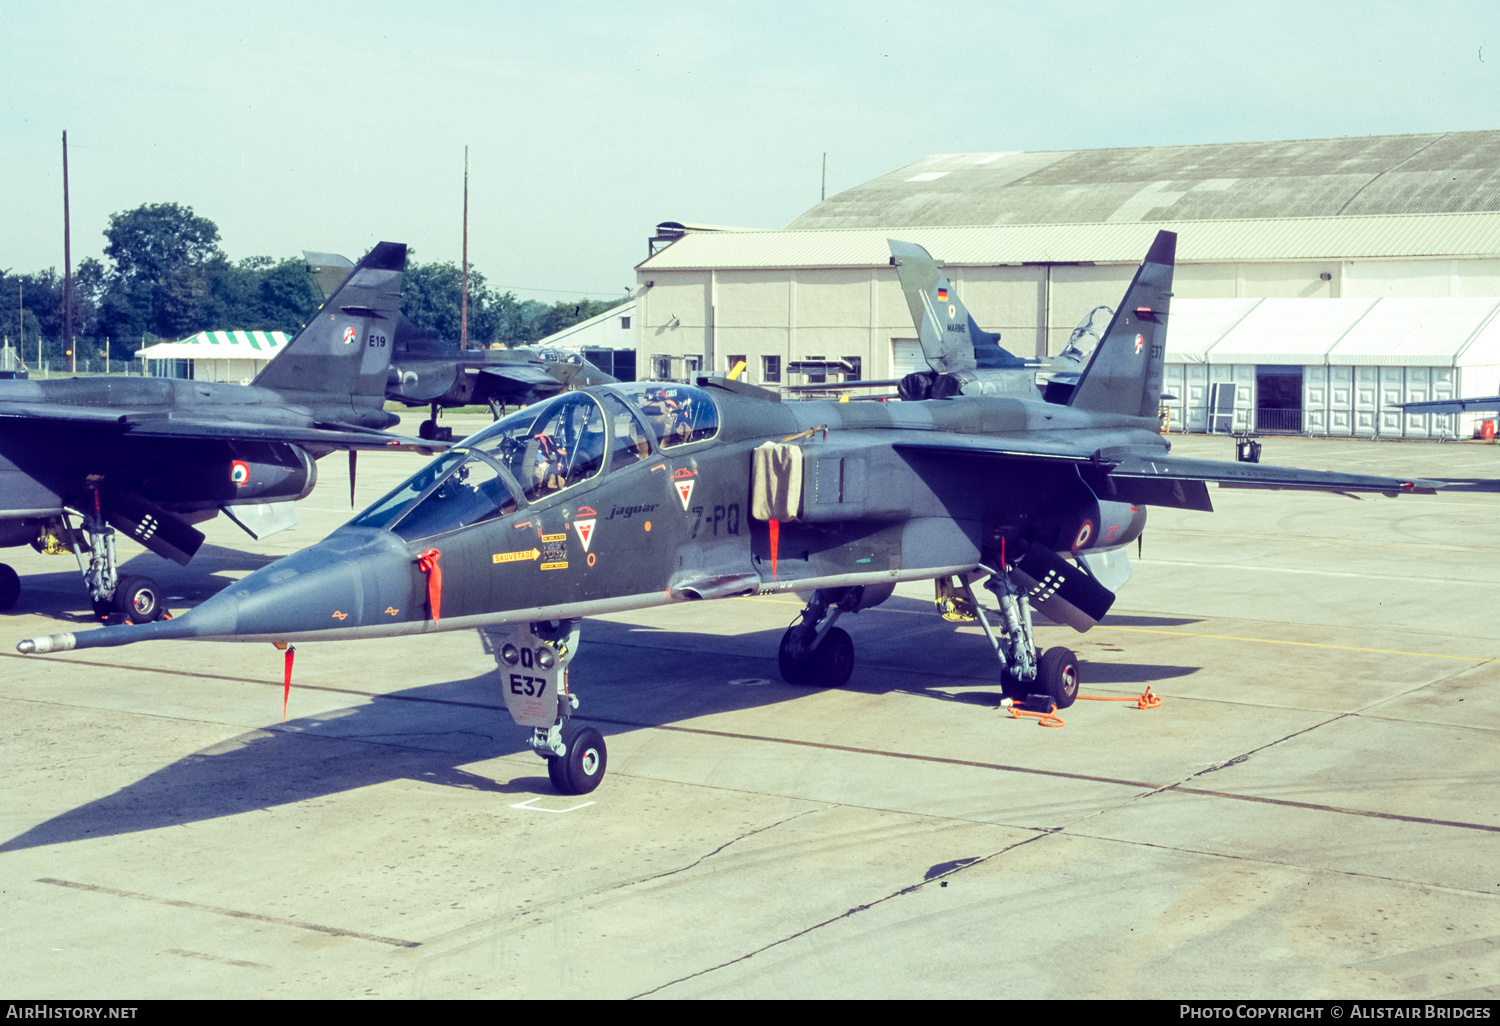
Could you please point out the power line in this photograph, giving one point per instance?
(561, 292)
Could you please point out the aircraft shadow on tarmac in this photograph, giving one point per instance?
(429, 733)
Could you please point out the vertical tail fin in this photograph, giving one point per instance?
(951, 339)
(340, 358)
(1125, 373)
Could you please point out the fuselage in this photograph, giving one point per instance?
(650, 510)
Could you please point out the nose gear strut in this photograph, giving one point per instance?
(532, 660)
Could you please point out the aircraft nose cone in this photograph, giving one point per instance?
(356, 577)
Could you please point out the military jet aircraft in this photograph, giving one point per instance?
(633, 495)
(961, 356)
(153, 456)
(426, 371)
(429, 371)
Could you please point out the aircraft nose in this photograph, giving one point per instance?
(357, 580)
(356, 577)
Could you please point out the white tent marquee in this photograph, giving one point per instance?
(235, 356)
(1330, 366)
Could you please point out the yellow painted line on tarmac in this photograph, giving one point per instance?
(1212, 637)
(1300, 644)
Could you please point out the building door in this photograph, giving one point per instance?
(1221, 408)
(906, 357)
(1278, 398)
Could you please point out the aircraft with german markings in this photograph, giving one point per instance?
(151, 457)
(632, 495)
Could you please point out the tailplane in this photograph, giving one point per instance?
(338, 362)
(1124, 375)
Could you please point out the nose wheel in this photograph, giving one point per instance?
(533, 661)
(582, 767)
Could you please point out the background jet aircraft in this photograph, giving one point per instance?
(963, 358)
(429, 371)
(634, 495)
(153, 456)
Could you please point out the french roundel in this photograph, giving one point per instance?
(1085, 533)
(239, 473)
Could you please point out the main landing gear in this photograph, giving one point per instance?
(1026, 673)
(10, 587)
(813, 651)
(532, 660)
(429, 431)
(116, 599)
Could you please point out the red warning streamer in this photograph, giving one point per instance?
(427, 562)
(286, 688)
(775, 544)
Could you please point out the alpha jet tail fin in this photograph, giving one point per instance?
(952, 340)
(1125, 373)
(338, 362)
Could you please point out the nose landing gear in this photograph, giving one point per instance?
(532, 660)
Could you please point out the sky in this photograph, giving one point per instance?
(329, 126)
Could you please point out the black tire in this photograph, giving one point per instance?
(580, 771)
(1057, 676)
(794, 670)
(557, 772)
(427, 430)
(833, 660)
(139, 599)
(10, 587)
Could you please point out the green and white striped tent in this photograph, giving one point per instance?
(213, 355)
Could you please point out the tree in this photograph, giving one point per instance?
(431, 297)
(160, 280)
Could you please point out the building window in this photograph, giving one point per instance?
(770, 369)
(854, 371)
(625, 323)
(691, 365)
(814, 377)
(731, 362)
(661, 368)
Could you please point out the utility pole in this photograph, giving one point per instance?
(67, 267)
(823, 192)
(463, 322)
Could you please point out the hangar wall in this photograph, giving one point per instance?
(805, 313)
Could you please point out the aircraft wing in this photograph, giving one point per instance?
(72, 413)
(1153, 478)
(156, 424)
(1452, 405)
(525, 373)
(336, 437)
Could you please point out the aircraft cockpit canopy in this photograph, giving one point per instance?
(545, 448)
(678, 414)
